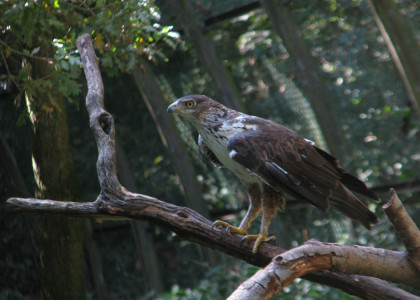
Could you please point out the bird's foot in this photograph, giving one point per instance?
(259, 238)
(229, 228)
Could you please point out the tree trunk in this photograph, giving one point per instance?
(309, 78)
(61, 240)
(402, 45)
(226, 91)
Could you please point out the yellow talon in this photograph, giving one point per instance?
(229, 228)
(259, 238)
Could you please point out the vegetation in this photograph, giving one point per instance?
(376, 119)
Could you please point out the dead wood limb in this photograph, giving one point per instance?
(396, 266)
(114, 201)
(405, 227)
(316, 256)
(191, 226)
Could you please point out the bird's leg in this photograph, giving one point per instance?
(253, 211)
(271, 203)
(262, 236)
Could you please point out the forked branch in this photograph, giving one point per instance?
(116, 202)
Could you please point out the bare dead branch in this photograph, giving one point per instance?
(405, 227)
(317, 256)
(117, 202)
(365, 287)
(191, 226)
(101, 122)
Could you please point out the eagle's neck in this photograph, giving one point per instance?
(214, 117)
(216, 129)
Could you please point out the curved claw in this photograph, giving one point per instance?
(258, 238)
(229, 228)
(213, 225)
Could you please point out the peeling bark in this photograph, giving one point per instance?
(316, 256)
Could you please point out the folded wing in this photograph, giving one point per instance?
(287, 162)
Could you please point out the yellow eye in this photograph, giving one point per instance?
(190, 104)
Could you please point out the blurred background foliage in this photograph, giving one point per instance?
(380, 128)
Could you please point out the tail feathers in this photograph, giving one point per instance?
(350, 181)
(357, 186)
(347, 203)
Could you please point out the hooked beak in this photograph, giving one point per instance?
(173, 108)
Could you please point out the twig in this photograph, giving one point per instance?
(24, 54)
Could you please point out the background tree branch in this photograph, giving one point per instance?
(116, 201)
(405, 227)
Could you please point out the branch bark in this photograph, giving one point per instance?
(191, 226)
(116, 202)
(316, 256)
(406, 229)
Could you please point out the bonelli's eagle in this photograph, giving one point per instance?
(271, 160)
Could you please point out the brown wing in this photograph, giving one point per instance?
(288, 162)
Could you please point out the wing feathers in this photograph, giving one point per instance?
(356, 185)
(346, 202)
(347, 179)
(279, 177)
(288, 162)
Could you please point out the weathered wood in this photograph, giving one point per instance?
(185, 222)
(191, 226)
(117, 202)
(405, 227)
(316, 256)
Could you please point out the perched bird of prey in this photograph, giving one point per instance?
(271, 160)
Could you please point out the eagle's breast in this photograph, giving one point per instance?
(216, 138)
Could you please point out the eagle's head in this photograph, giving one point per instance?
(198, 109)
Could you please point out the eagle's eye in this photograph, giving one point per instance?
(190, 104)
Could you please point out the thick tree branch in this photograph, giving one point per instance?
(406, 229)
(117, 202)
(191, 226)
(316, 256)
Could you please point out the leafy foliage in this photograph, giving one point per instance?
(131, 31)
